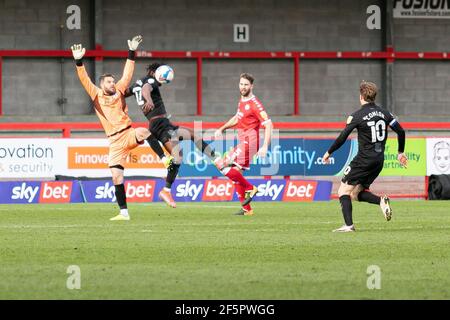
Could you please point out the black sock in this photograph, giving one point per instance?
(121, 197)
(172, 174)
(154, 144)
(346, 205)
(206, 148)
(367, 196)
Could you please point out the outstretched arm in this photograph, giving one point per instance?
(124, 82)
(401, 139)
(262, 152)
(340, 140)
(230, 123)
(78, 52)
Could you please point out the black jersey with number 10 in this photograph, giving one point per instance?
(372, 123)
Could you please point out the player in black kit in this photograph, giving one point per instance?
(372, 122)
(148, 97)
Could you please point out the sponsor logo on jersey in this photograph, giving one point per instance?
(55, 192)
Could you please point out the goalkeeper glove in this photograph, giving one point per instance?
(134, 43)
(78, 51)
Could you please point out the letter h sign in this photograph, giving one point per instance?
(241, 33)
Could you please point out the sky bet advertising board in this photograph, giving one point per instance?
(183, 190)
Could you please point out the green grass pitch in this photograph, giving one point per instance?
(203, 251)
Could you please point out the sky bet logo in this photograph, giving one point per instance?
(55, 192)
(136, 191)
(25, 193)
(188, 191)
(300, 191)
(204, 190)
(269, 190)
(45, 192)
(218, 190)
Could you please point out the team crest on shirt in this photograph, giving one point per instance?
(247, 107)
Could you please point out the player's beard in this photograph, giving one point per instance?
(111, 91)
(245, 93)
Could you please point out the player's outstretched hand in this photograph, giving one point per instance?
(134, 43)
(262, 152)
(147, 107)
(403, 159)
(326, 158)
(78, 51)
(217, 133)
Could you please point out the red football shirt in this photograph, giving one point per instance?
(251, 116)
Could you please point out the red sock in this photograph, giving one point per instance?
(238, 178)
(241, 195)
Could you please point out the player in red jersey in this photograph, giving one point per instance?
(249, 118)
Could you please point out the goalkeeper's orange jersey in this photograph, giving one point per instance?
(111, 110)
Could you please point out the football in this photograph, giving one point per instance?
(164, 74)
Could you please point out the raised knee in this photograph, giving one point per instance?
(343, 192)
(354, 196)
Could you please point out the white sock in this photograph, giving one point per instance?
(163, 159)
(166, 189)
(124, 212)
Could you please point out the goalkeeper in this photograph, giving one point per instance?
(111, 109)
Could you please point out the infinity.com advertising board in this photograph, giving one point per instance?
(286, 157)
(45, 158)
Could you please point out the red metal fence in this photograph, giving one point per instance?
(66, 128)
(296, 56)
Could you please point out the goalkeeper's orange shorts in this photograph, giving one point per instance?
(120, 146)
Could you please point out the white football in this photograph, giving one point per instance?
(164, 74)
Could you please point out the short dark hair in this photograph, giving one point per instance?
(152, 67)
(106, 75)
(368, 90)
(247, 76)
